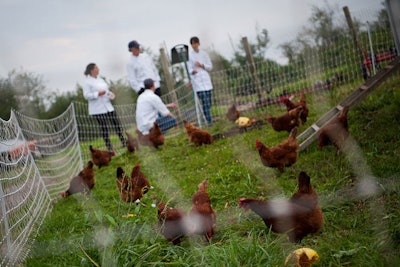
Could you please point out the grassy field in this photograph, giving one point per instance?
(359, 192)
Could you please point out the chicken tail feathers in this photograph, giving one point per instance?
(120, 172)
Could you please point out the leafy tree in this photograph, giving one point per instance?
(123, 93)
(28, 91)
(60, 104)
(258, 48)
(289, 51)
(323, 26)
(382, 21)
(7, 99)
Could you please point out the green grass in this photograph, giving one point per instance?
(360, 229)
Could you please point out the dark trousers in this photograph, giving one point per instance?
(206, 98)
(102, 120)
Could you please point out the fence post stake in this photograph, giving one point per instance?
(169, 80)
(354, 34)
(253, 71)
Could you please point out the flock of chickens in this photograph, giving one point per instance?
(297, 216)
(173, 222)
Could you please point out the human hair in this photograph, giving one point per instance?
(89, 68)
(148, 83)
(194, 39)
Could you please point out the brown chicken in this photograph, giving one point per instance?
(298, 216)
(335, 132)
(154, 138)
(232, 113)
(197, 136)
(202, 216)
(292, 105)
(172, 222)
(82, 183)
(283, 155)
(134, 187)
(287, 121)
(101, 157)
(132, 143)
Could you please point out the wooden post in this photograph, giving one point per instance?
(165, 66)
(169, 81)
(252, 66)
(353, 33)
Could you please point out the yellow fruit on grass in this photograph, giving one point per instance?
(243, 121)
(302, 257)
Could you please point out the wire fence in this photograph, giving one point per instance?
(39, 157)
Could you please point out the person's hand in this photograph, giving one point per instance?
(102, 92)
(194, 71)
(198, 64)
(172, 105)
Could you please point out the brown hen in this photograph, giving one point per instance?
(202, 216)
(172, 222)
(197, 136)
(287, 121)
(335, 132)
(132, 143)
(301, 102)
(82, 183)
(134, 187)
(155, 137)
(101, 157)
(298, 216)
(232, 113)
(283, 155)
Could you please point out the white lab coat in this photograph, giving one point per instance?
(97, 104)
(201, 81)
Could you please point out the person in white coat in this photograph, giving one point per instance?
(150, 109)
(141, 67)
(98, 95)
(199, 65)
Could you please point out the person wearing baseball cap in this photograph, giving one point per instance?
(140, 67)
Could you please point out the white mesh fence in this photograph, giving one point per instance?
(24, 199)
(37, 160)
(39, 157)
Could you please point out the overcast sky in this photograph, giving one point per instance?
(56, 39)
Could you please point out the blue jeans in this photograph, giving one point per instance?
(166, 123)
(206, 97)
